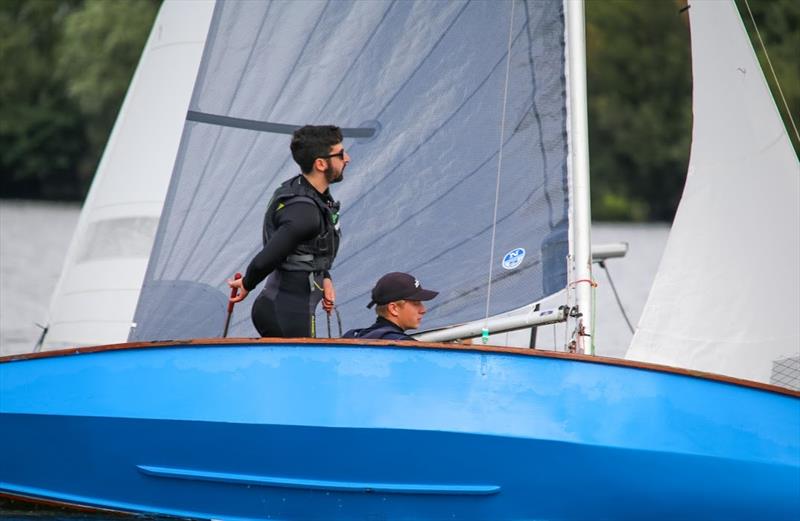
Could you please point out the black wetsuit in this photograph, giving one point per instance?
(381, 329)
(286, 305)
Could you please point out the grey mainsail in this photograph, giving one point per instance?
(419, 88)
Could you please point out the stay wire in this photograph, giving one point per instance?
(616, 295)
(772, 70)
(499, 168)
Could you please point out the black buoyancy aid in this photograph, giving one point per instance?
(316, 254)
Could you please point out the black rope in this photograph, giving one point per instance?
(616, 295)
(40, 342)
(338, 320)
(328, 316)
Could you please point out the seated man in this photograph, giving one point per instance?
(399, 298)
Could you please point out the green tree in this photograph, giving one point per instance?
(639, 76)
(639, 88)
(67, 65)
(41, 132)
(101, 45)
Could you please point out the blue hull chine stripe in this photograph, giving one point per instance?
(265, 126)
(317, 484)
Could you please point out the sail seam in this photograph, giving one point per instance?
(341, 261)
(286, 161)
(212, 34)
(499, 169)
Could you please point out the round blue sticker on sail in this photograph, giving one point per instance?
(513, 258)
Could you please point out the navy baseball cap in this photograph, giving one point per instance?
(399, 286)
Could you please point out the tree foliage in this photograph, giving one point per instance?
(67, 64)
(639, 87)
(101, 45)
(41, 131)
(639, 83)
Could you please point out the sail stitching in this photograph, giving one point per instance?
(433, 48)
(253, 142)
(213, 150)
(376, 184)
(399, 90)
(445, 250)
(488, 227)
(427, 140)
(434, 306)
(354, 62)
(280, 169)
(537, 116)
(514, 39)
(346, 132)
(406, 222)
(396, 94)
(499, 168)
(510, 117)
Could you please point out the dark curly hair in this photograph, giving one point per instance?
(310, 142)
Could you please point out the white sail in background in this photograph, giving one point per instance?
(95, 298)
(726, 298)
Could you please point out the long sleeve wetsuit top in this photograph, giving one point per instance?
(297, 223)
(286, 305)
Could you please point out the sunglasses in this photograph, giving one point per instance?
(339, 154)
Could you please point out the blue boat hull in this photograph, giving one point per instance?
(339, 431)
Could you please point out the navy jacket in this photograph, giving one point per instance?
(381, 329)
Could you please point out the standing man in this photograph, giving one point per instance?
(399, 298)
(301, 238)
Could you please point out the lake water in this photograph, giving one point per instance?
(34, 237)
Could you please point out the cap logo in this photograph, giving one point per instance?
(416, 283)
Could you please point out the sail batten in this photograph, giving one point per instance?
(265, 126)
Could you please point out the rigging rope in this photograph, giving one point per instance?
(485, 333)
(616, 295)
(338, 321)
(772, 70)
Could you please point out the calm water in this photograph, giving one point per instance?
(34, 238)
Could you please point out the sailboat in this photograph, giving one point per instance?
(460, 145)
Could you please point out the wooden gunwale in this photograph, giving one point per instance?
(55, 504)
(520, 351)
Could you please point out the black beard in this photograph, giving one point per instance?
(329, 175)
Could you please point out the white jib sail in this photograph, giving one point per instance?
(95, 298)
(726, 298)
